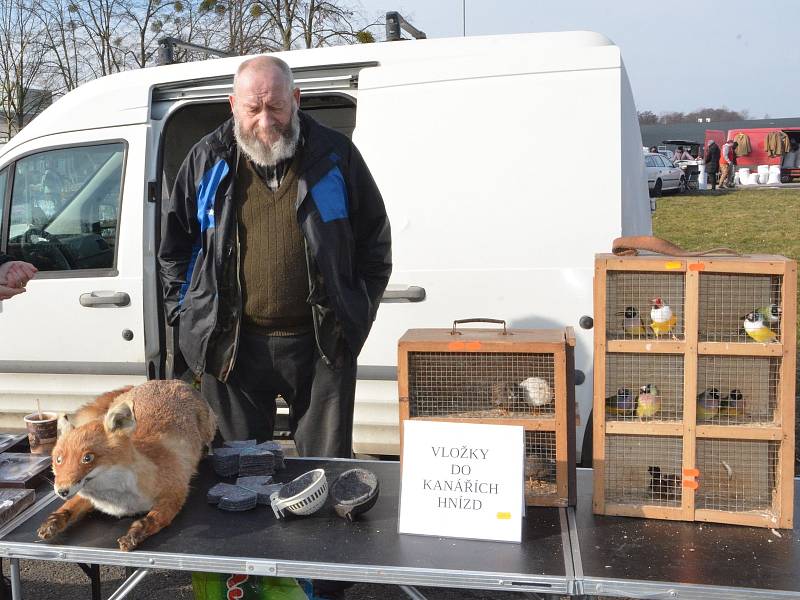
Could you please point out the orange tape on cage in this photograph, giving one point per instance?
(461, 346)
(697, 267)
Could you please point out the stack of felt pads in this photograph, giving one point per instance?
(254, 464)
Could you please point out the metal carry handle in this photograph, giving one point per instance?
(478, 320)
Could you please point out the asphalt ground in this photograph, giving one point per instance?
(46, 580)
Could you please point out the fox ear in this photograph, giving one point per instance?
(120, 418)
(64, 425)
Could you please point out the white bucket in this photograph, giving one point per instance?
(744, 176)
(752, 179)
(774, 174)
(702, 180)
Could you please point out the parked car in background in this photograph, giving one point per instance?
(663, 175)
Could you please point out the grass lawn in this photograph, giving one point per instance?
(750, 221)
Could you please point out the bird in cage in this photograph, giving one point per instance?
(632, 322)
(648, 402)
(708, 404)
(662, 486)
(662, 319)
(536, 392)
(733, 405)
(621, 403)
(504, 396)
(539, 467)
(770, 313)
(758, 330)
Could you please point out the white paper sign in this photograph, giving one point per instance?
(462, 480)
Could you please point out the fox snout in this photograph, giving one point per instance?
(67, 491)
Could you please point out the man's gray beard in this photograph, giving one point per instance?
(269, 156)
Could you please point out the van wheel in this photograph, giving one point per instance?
(682, 186)
(657, 189)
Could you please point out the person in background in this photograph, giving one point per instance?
(681, 154)
(14, 276)
(653, 149)
(733, 157)
(726, 164)
(712, 163)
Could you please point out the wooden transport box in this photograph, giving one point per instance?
(694, 405)
(504, 377)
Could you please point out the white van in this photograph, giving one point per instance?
(477, 144)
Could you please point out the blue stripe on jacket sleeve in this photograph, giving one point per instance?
(330, 195)
(182, 292)
(207, 191)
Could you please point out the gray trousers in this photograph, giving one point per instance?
(320, 398)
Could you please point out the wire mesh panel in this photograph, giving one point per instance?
(480, 385)
(734, 390)
(739, 308)
(644, 387)
(737, 475)
(643, 469)
(632, 311)
(540, 464)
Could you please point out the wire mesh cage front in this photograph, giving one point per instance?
(631, 310)
(644, 387)
(481, 385)
(540, 464)
(737, 475)
(734, 390)
(740, 308)
(643, 470)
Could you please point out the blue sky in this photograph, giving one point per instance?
(679, 55)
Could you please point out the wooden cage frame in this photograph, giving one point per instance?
(558, 342)
(780, 429)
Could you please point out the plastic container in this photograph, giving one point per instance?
(774, 174)
(304, 495)
(744, 176)
(354, 492)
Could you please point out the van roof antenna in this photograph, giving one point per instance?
(395, 22)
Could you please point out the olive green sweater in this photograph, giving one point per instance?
(273, 265)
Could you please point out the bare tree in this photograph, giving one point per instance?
(22, 57)
(147, 19)
(102, 22)
(64, 49)
(313, 23)
(245, 25)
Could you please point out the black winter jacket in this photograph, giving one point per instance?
(348, 247)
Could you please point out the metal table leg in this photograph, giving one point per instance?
(412, 592)
(16, 582)
(93, 573)
(129, 584)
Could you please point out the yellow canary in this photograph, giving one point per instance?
(661, 317)
(756, 329)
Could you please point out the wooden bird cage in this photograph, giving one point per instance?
(712, 437)
(502, 377)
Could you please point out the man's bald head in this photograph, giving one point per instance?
(264, 105)
(265, 67)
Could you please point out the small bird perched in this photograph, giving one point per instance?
(536, 392)
(708, 404)
(648, 403)
(632, 322)
(733, 405)
(758, 330)
(662, 319)
(662, 487)
(504, 397)
(621, 403)
(770, 313)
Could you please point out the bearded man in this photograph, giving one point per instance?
(275, 253)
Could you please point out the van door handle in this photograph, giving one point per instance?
(105, 299)
(403, 293)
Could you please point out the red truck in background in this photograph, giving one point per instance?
(790, 161)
